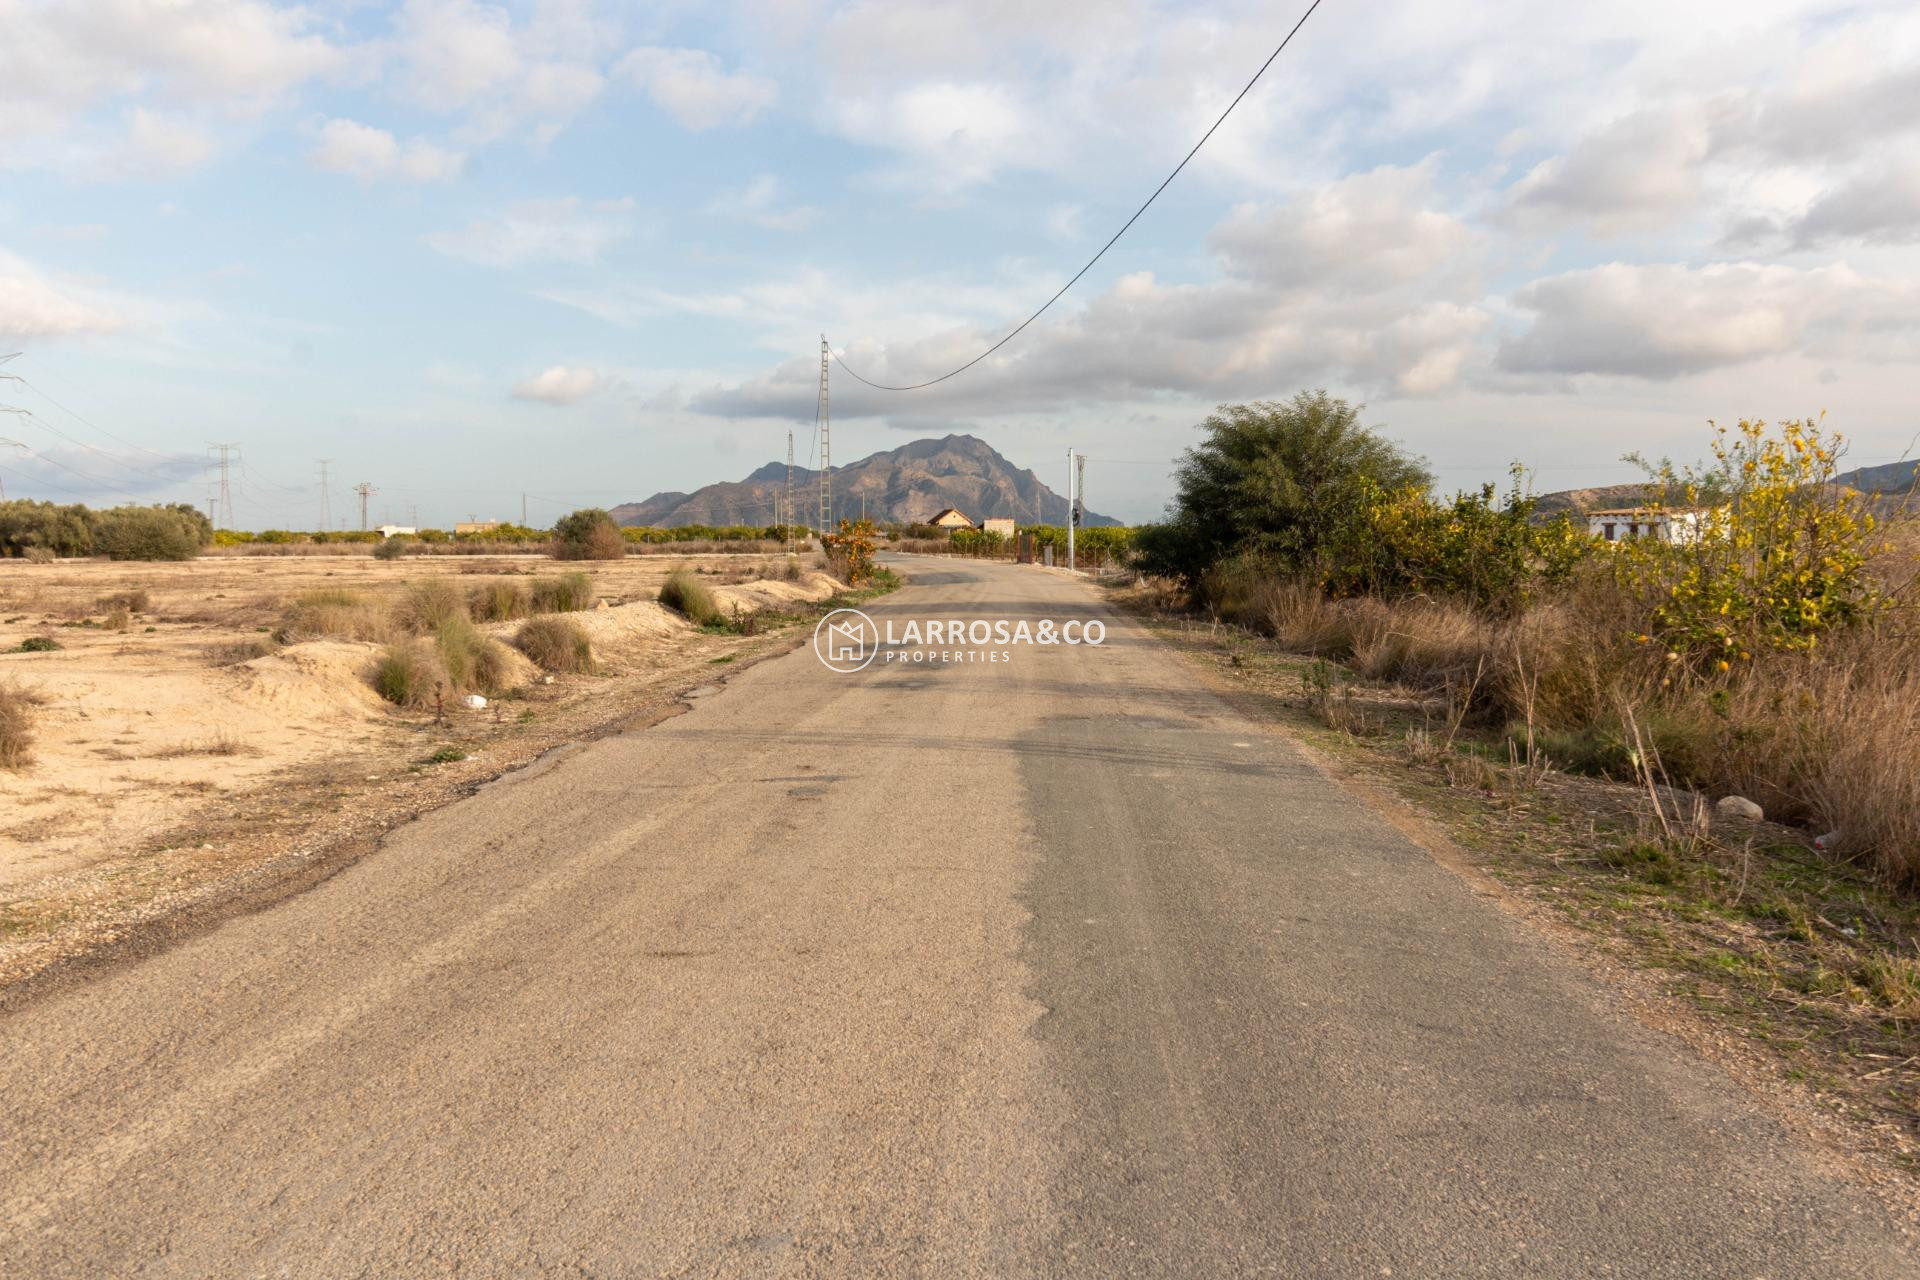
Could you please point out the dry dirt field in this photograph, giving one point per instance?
(191, 723)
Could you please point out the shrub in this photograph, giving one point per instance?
(38, 644)
(589, 534)
(134, 601)
(499, 602)
(45, 530)
(150, 533)
(850, 551)
(556, 644)
(686, 595)
(118, 619)
(408, 674)
(563, 593)
(429, 604)
(392, 548)
(16, 725)
(331, 613)
(1281, 482)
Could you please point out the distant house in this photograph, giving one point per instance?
(951, 519)
(1002, 525)
(1678, 525)
(475, 526)
(396, 530)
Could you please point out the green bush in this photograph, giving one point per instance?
(589, 534)
(151, 533)
(556, 644)
(472, 661)
(563, 593)
(686, 595)
(393, 548)
(47, 527)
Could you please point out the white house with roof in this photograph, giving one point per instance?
(1679, 525)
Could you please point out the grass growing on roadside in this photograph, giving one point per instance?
(558, 645)
(689, 597)
(562, 593)
(469, 659)
(408, 673)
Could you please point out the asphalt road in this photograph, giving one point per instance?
(1055, 966)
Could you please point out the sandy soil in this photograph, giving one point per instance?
(143, 730)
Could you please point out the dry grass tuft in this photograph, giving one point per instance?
(686, 595)
(16, 724)
(562, 593)
(499, 602)
(556, 644)
(408, 674)
(430, 604)
(331, 613)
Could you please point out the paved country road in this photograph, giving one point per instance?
(1053, 967)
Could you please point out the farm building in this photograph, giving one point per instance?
(1676, 525)
(396, 530)
(951, 519)
(1002, 525)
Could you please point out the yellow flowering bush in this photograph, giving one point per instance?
(1777, 555)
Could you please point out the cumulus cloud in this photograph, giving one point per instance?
(1881, 206)
(1640, 170)
(562, 230)
(693, 87)
(32, 306)
(560, 385)
(364, 152)
(1665, 320)
(1367, 232)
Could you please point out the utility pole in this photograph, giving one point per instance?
(523, 511)
(326, 497)
(826, 448)
(1079, 501)
(366, 490)
(1070, 520)
(227, 456)
(789, 519)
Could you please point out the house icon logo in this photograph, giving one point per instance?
(846, 640)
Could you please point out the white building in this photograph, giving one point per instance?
(396, 530)
(1664, 524)
(1002, 525)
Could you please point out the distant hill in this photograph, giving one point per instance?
(1598, 498)
(912, 483)
(1889, 478)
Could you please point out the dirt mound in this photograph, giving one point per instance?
(322, 680)
(773, 593)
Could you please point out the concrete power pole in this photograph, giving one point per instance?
(326, 497)
(366, 490)
(787, 524)
(826, 448)
(1069, 509)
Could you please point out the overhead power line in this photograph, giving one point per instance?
(916, 386)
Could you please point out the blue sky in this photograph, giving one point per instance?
(585, 251)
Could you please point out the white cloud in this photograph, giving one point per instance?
(1642, 169)
(1880, 206)
(463, 56)
(1364, 233)
(1665, 320)
(35, 307)
(562, 230)
(559, 385)
(364, 152)
(692, 87)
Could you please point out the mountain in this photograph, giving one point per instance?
(1598, 498)
(1890, 478)
(912, 483)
